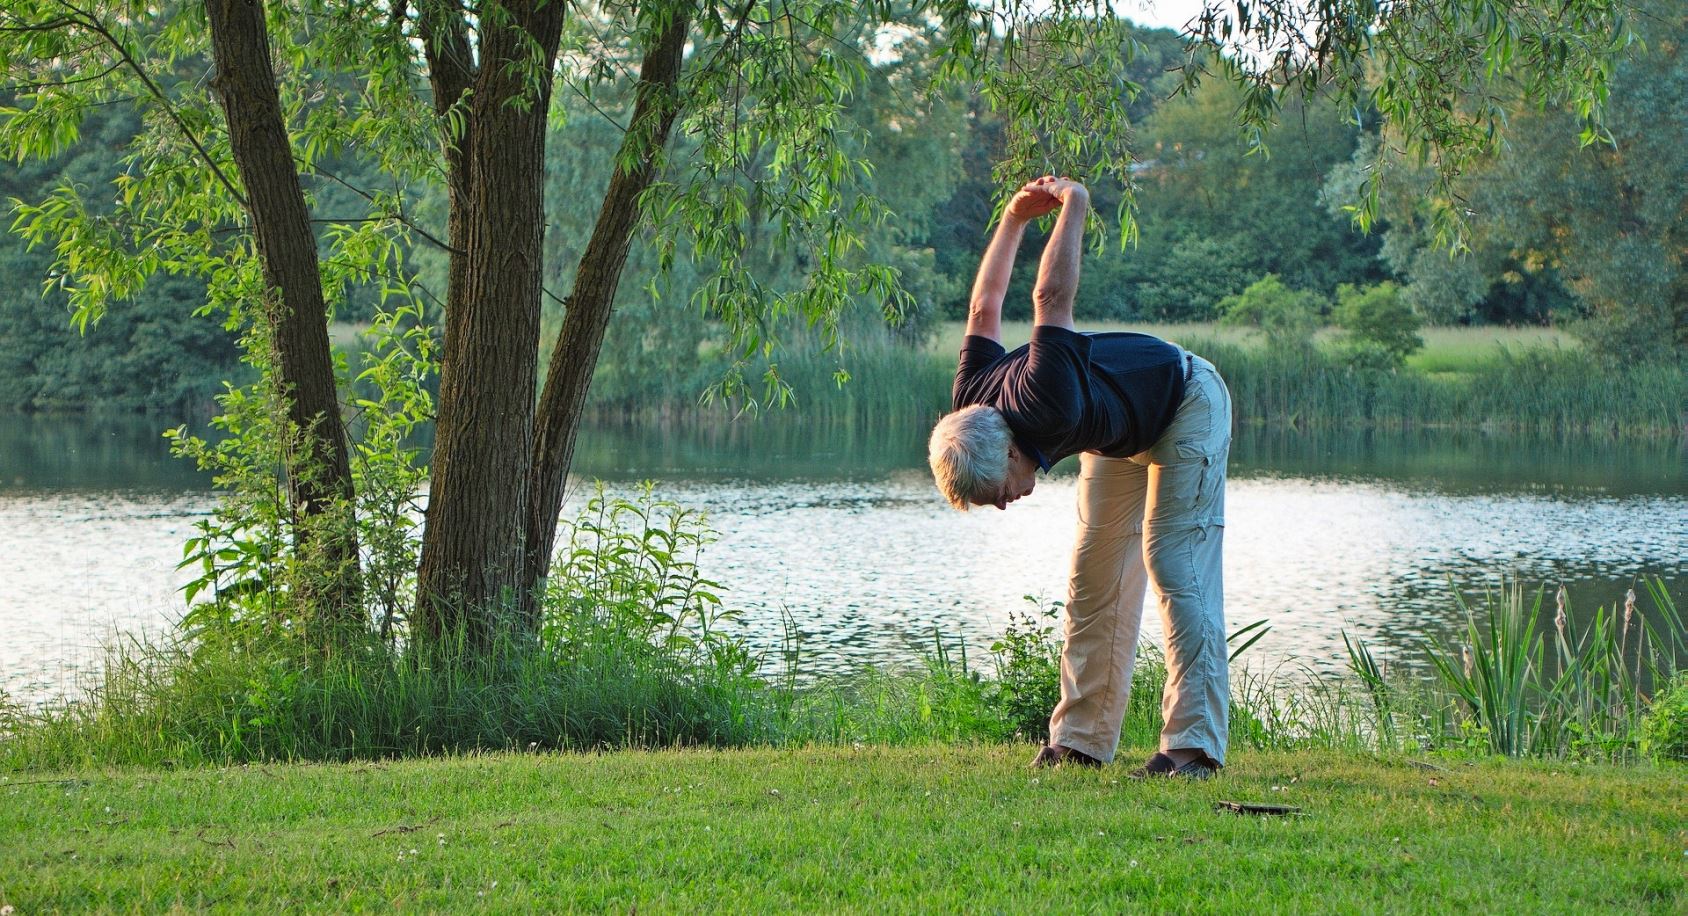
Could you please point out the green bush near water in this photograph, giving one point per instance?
(1664, 733)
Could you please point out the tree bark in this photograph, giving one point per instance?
(319, 476)
(589, 302)
(471, 569)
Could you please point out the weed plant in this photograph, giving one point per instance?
(631, 653)
(1584, 694)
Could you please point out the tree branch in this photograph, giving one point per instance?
(94, 25)
(32, 87)
(400, 217)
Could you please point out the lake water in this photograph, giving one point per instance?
(840, 528)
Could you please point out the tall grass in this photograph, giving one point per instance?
(180, 703)
(631, 653)
(884, 382)
(1535, 694)
(1539, 390)
(1528, 391)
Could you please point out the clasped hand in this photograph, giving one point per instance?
(1044, 195)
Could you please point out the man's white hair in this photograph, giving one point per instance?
(968, 452)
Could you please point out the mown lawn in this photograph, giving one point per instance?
(865, 829)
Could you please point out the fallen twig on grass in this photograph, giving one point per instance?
(1236, 807)
(406, 828)
(226, 841)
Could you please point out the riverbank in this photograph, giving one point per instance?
(944, 828)
(1496, 380)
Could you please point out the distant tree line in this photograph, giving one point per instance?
(1590, 237)
(151, 354)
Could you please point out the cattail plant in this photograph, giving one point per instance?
(1593, 702)
(1560, 621)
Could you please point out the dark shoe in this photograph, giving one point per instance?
(1162, 765)
(1056, 756)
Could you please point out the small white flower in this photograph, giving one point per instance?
(6, 910)
(1133, 863)
(108, 809)
(413, 852)
(495, 884)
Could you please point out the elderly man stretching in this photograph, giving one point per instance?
(1151, 424)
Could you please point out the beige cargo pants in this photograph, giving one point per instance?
(1157, 517)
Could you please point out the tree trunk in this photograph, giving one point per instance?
(589, 302)
(319, 476)
(471, 569)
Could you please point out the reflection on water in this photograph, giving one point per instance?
(841, 528)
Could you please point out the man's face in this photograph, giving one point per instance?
(1022, 477)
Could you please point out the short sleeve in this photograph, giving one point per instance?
(1049, 396)
(977, 355)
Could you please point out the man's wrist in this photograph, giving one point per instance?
(1012, 225)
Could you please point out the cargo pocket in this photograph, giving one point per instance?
(1207, 495)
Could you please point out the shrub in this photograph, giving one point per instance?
(1381, 329)
(1190, 281)
(1028, 669)
(1287, 317)
(1664, 731)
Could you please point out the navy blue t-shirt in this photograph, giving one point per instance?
(1111, 392)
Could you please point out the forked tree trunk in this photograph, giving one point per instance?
(319, 476)
(473, 542)
(576, 352)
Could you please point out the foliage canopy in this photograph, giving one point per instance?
(735, 141)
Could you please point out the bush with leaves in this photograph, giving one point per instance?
(1380, 328)
(630, 573)
(1028, 669)
(1664, 732)
(1287, 317)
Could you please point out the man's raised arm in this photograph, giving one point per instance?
(1057, 275)
(984, 311)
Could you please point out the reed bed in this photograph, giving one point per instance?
(1539, 391)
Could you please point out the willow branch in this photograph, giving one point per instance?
(91, 23)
